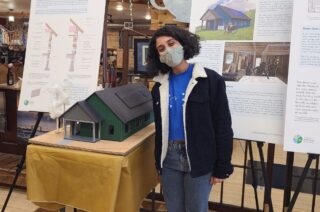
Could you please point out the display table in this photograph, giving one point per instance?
(103, 176)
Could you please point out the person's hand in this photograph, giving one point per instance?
(215, 180)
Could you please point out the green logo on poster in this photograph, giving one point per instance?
(25, 102)
(298, 139)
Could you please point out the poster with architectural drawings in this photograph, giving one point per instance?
(64, 43)
(302, 122)
(247, 42)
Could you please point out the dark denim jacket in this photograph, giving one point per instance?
(207, 125)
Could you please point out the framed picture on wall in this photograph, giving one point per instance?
(141, 47)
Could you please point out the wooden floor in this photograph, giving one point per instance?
(233, 186)
(18, 201)
(8, 165)
(231, 195)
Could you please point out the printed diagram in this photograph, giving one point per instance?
(74, 29)
(35, 92)
(48, 53)
(314, 6)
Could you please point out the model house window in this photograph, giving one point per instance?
(147, 117)
(97, 130)
(111, 129)
(126, 127)
(77, 128)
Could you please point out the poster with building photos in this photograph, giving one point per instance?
(248, 43)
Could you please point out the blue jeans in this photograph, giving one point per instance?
(181, 192)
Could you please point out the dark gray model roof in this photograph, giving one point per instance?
(128, 101)
(81, 111)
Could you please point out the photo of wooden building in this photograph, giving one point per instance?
(256, 59)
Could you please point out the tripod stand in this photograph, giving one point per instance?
(20, 165)
(311, 157)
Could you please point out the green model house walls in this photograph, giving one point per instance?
(109, 114)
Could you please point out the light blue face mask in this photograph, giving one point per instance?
(172, 56)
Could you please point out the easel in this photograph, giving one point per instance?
(40, 114)
(289, 204)
(254, 182)
(267, 181)
(21, 163)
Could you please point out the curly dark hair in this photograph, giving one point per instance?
(188, 40)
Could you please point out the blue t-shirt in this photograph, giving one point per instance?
(177, 88)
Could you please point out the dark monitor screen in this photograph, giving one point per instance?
(141, 47)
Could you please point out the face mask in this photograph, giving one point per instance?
(172, 56)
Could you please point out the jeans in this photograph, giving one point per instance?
(181, 192)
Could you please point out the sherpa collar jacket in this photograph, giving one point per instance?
(207, 123)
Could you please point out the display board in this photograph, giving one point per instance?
(303, 100)
(247, 42)
(64, 42)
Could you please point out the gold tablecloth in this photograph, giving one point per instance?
(90, 181)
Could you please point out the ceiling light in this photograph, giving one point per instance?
(10, 6)
(119, 7)
(148, 17)
(11, 18)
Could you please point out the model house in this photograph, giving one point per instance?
(109, 114)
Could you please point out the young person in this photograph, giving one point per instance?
(193, 124)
